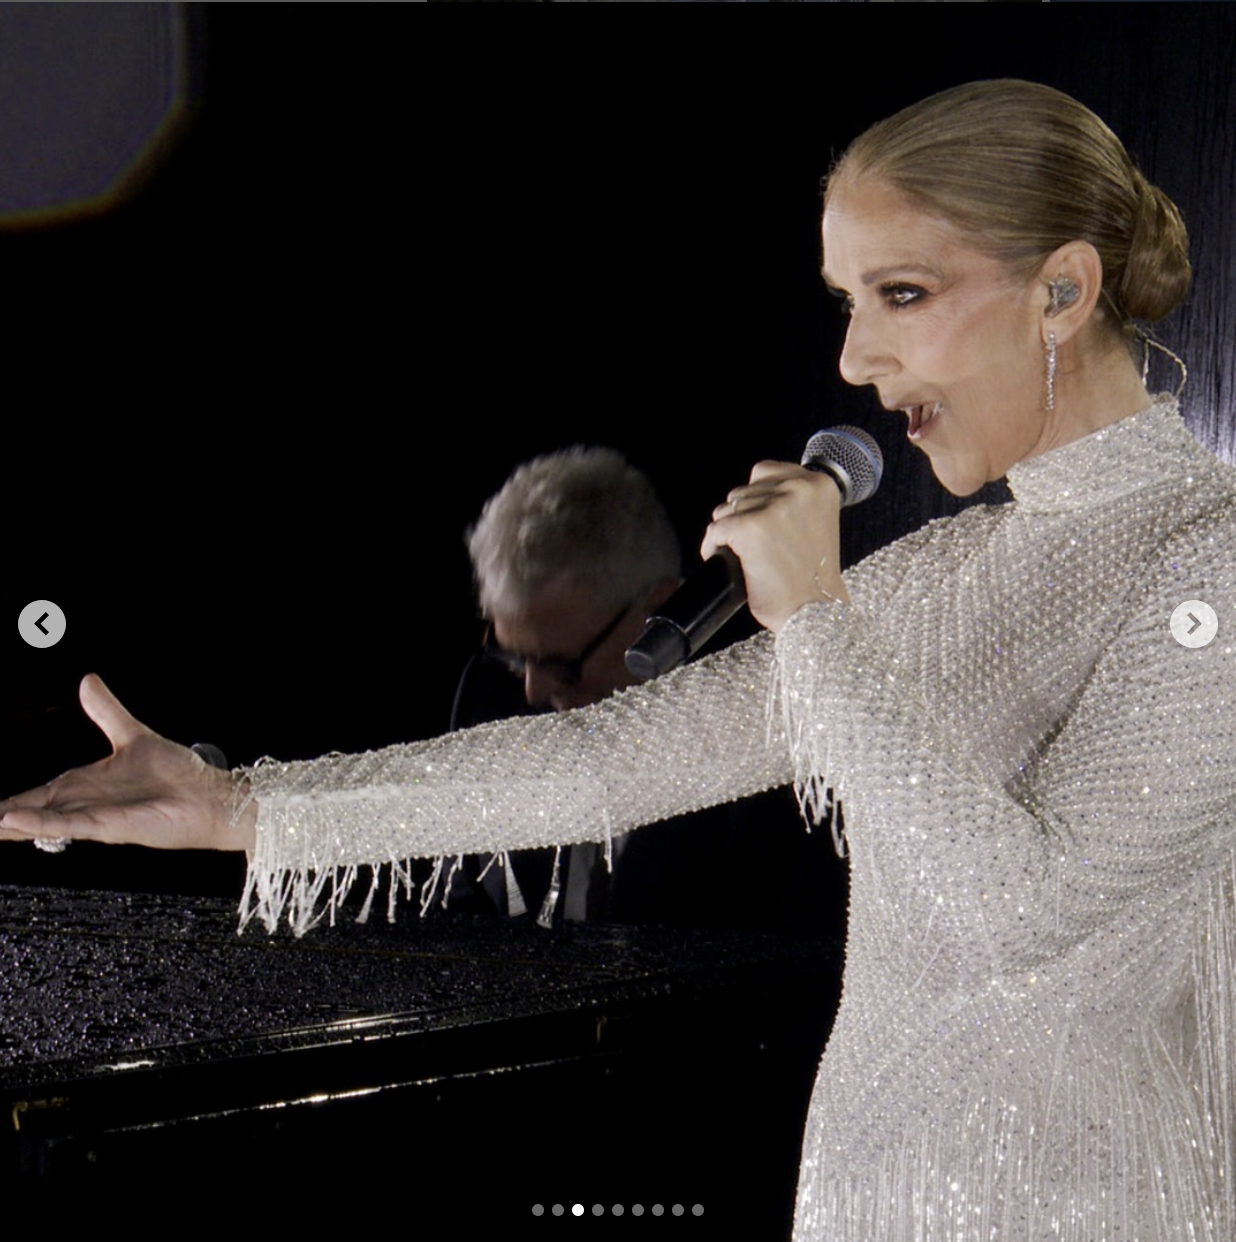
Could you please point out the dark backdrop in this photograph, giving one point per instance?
(251, 412)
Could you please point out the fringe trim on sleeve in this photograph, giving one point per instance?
(690, 740)
(306, 897)
(284, 882)
(813, 733)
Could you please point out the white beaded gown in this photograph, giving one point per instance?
(1037, 1035)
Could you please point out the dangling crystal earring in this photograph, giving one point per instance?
(1062, 293)
(1051, 371)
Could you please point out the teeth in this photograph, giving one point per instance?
(920, 416)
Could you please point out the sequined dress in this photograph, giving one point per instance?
(1037, 1036)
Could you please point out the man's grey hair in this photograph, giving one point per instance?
(584, 516)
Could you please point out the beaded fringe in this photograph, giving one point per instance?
(1040, 810)
(283, 881)
(1025, 1168)
(286, 881)
(816, 781)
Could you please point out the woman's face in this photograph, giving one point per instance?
(945, 333)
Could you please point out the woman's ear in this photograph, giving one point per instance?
(1072, 282)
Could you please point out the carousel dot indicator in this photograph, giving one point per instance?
(617, 1209)
(637, 1210)
(698, 1210)
(658, 1210)
(538, 1209)
(557, 1209)
(577, 1209)
(677, 1209)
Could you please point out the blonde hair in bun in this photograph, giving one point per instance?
(1021, 169)
(1157, 273)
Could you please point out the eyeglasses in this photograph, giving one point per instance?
(567, 672)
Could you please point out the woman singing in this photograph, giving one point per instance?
(1037, 1037)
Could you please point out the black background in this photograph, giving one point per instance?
(251, 411)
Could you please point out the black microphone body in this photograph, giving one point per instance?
(211, 755)
(716, 591)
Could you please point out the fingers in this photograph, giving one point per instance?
(31, 799)
(148, 792)
(731, 520)
(121, 729)
(769, 480)
(107, 711)
(783, 527)
(770, 483)
(26, 824)
(765, 470)
(58, 809)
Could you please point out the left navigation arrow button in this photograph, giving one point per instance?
(41, 623)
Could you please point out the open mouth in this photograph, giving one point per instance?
(921, 418)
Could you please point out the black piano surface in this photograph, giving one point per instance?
(491, 1065)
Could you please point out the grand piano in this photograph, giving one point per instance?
(483, 1069)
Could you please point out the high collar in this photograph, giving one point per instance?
(1146, 448)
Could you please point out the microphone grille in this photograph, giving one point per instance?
(851, 456)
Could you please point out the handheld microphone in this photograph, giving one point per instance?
(716, 591)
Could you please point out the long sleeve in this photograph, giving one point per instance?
(1129, 793)
(1037, 1033)
(1036, 1036)
(699, 736)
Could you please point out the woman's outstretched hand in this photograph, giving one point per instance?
(784, 528)
(148, 792)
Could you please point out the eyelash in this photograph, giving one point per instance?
(897, 296)
(901, 296)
